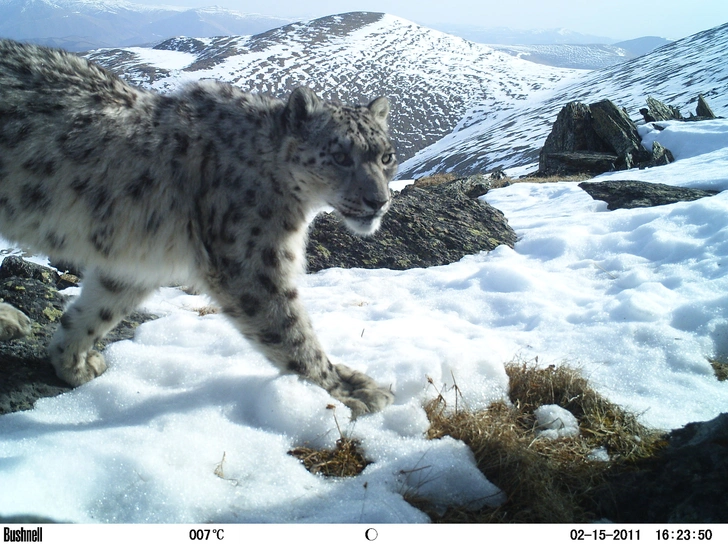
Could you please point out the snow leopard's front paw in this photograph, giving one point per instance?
(79, 368)
(360, 392)
(13, 323)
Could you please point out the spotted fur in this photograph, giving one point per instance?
(209, 186)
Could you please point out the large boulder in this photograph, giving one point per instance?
(426, 226)
(592, 139)
(573, 131)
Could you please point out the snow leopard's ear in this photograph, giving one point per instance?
(380, 109)
(302, 105)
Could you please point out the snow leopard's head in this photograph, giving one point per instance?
(341, 156)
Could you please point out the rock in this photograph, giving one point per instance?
(659, 111)
(619, 132)
(26, 373)
(592, 139)
(429, 226)
(660, 155)
(579, 162)
(703, 110)
(630, 194)
(472, 186)
(498, 174)
(685, 483)
(572, 131)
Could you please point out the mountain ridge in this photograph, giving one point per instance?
(82, 25)
(434, 81)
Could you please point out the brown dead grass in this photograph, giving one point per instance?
(444, 178)
(436, 179)
(554, 178)
(720, 367)
(345, 460)
(545, 480)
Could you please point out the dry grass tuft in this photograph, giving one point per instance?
(345, 460)
(443, 178)
(536, 179)
(544, 480)
(436, 179)
(720, 367)
(207, 310)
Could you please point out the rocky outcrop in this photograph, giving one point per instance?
(601, 137)
(659, 111)
(685, 483)
(630, 194)
(25, 371)
(703, 110)
(426, 226)
(592, 139)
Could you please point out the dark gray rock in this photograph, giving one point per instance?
(579, 163)
(630, 194)
(592, 139)
(26, 373)
(436, 225)
(498, 174)
(573, 131)
(659, 111)
(472, 186)
(685, 483)
(660, 155)
(703, 110)
(618, 131)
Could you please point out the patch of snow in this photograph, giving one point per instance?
(553, 421)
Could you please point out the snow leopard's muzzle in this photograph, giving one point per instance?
(363, 208)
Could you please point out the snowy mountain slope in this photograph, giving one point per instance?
(580, 53)
(81, 25)
(589, 57)
(674, 73)
(433, 80)
(513, 36)
(585, 56)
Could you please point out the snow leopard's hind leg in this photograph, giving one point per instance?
(103, 302)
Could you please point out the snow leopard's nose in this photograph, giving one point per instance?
(376, 203)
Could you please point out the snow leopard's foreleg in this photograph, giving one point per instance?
(270, 314)
(13, 323)
(103, 302)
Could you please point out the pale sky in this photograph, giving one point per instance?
(618, 19)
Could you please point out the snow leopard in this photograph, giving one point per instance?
(208, 186)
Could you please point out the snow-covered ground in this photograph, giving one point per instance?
(637, 298)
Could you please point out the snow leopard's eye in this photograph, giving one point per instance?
(343, 159)
(387, 159)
